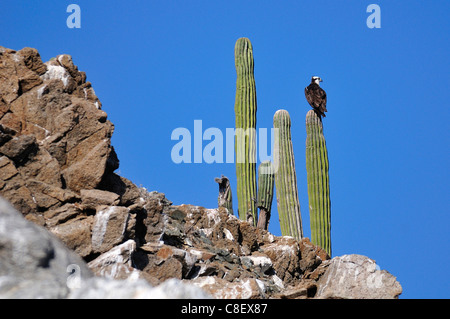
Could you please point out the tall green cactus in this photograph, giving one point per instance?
(245, 146)
(265, 193)
(318, 182)
(286, 178)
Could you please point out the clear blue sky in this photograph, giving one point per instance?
(159, 65)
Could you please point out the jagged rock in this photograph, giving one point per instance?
(61, 215)
(20, 148)
(52, 129)
(110, 228)
(93, 198)
(357, 277)
(285, 255)
(259, 260)
(75, 233)
(116, 263)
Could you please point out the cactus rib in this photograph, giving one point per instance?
(265, 193)
(245, 146)
(317, 167)
(285, 178)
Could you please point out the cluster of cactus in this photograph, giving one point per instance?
(282, 170)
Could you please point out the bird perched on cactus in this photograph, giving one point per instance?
(316, 96)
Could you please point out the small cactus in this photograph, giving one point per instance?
(318, 182)
(225, 198)
(285, 177)
(265, 193)
(245, 146)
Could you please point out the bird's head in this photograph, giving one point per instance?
(316, 79)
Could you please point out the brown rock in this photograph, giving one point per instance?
(305, 289)
(32, 60)
(3, 107)
(285, 255)
(43, 167)
(13, 188)
(92, 198)
(115, 263)
(9, 88)
(76, 234)
(62, 214)
(154, 220)
(7, 169)
(88, 172)
(58, 141)
(11, 123)
(20, 149)
(28, 80)
(109, 228)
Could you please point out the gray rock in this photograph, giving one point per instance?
(357, 277)
(106, 288)
(109, 228)
(115, 263)
(33, 263)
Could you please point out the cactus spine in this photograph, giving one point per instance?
(265, 193)
(286, 178)
(318, 182)
(245, 146)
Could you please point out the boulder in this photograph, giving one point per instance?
(52, 130)
(356, 277)
(116, 263)
(109, 228)
(93, 198)
(33, 263)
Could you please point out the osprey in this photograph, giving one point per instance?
(316, 96)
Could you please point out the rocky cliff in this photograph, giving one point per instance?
(57, 169)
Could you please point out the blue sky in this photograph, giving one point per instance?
(160, 65)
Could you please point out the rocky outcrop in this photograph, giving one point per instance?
(54, 136)
(357, 277)
(57, 168)
(35, 264)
